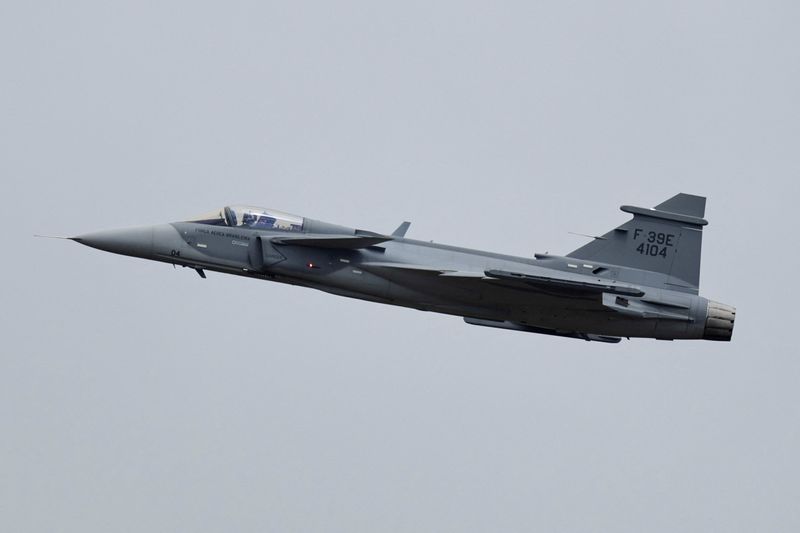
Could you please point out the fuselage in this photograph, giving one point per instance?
(417, 274)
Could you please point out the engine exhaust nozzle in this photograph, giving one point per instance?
(719, 322)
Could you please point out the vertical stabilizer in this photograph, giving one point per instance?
(665, 239)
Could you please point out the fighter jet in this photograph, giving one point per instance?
(640, 279)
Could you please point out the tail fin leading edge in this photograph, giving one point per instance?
(665, 239)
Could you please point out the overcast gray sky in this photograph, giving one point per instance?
(136, 397)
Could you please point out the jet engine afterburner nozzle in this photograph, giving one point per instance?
(719, 322)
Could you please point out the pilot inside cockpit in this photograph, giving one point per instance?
(258, 220)
(252, 217)
(264, 221)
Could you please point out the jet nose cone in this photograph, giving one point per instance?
(137, 242)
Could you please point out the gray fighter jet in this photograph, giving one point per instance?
(638, 280)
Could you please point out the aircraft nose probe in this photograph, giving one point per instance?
(136, 242)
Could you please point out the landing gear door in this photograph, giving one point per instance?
(262, 254)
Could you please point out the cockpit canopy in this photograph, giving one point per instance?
(246, 216)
